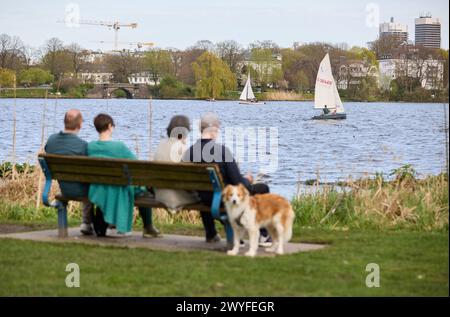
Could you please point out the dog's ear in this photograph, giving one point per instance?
(226, 191)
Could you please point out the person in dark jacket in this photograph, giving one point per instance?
(206, 150)
(67, 142)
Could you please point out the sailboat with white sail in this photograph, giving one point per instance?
(326, 95)
(247, 96)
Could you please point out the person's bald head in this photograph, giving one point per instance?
(73, 120)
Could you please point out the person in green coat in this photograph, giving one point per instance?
(116, 202)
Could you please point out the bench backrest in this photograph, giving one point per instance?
(185, 176)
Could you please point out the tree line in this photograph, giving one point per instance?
(211, 70)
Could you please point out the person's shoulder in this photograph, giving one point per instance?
(223, 147)
(118, 144)
(227, 155)
(75, 138)
(52, 137)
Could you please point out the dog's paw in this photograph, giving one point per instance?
(232, 252)
(250, 254)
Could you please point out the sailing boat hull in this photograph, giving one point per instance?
(331, 116)
(251, 103)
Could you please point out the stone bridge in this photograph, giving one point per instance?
(132, 91)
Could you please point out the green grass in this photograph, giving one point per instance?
(411, 264)
(401, 225)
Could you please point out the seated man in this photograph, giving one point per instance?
(209, 128)
(326, 110)
(68, 143)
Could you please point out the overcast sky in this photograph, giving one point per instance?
(180, 23)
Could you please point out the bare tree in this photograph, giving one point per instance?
(204, 45)
(122, 65)
(385, 46)
(11, 55)
(266, 44)
(55, 58)
(186, 73)
(75, 52)
(231, 52)
(29, 55)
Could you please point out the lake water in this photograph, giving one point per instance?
(376, 137)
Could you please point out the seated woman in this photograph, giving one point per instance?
(116, 202)
(171, 149)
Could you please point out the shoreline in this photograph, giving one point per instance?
(236, 100)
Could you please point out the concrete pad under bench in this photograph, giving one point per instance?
(169, 242)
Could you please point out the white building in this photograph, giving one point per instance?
(428, 31)
(92, 57)
(95, 77)
(430, 72)
(95, 74)
(353, 72)
(144, 77)
(396, 30)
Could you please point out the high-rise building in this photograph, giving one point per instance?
(428, 31)
(396, 30)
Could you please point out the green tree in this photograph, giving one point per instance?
(363, 53)
(170, 88)
(212, 75)
(159, 63)
(264, 67)
(295, 70)
(6, 77)
(35, 76)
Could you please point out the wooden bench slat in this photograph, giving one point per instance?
(110, 162)
(59, 164)
(118, 172)
(138, 181)
(146, 201)
(132, 165)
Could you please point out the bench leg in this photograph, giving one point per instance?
(229, 233)
(62, 219)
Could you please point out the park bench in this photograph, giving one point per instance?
(92, 170)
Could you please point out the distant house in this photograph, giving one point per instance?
(410, 61)
(95, 74)
(430, 72)
(92, 57)
(352, 72)
(144, 77)
(264, 67)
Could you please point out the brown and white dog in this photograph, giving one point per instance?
(250, 213)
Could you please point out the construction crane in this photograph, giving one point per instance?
(114, 25)
(139, 45)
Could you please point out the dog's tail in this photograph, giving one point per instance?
(289, 224)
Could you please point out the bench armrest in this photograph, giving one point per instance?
(217, 194)
(48, 181)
